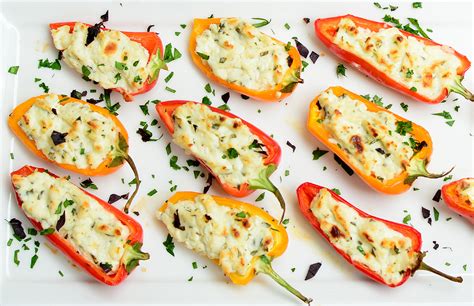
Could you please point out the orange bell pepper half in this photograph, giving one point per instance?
(306, 193)
(326, 29)
(111, 164)
(150, 41)
(458, 202)
(278, 93)
(165, 111)
(398, 184)
(132, 253)
(259, 264)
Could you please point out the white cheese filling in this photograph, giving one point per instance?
(95, 233)
(367, 241)
(90, 136)
(231, 236)
(368, 139)
(426, 69)
(215, 139)
(239, 53)
(111, 59)
(465, 191)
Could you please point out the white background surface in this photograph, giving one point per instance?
(163, 279)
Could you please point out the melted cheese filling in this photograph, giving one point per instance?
(366, 240)
(90, 138)
(93, 231)
(368, 139)
(426, 69)
(111, 59)
(465, 191)
(239, 53)
(209, 136)
(219, 232)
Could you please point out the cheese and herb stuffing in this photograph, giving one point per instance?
(111, 59)
(70, 133)
(60, 206)
(426, 69)
(465, 191)
(365, 240)
(375, 142)
(239, 53)
(226, 145)
(226, 234)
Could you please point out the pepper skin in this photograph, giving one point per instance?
(396, 185)
(325, 29)
(260, 264)
(455, 201)
(110, 165)
(166, 109)
(132, 253)
(307, 191)
(280, 92)
(150, 41)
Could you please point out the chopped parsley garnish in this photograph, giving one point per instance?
(435, 214)
(183, 26)
(169, 244)
(417, 5)
(15, 257)
(341, 70)
(169, 76)
(404, 127)
(44, 87)
(173, 162)
(171, 53)
(287, 26)
(336, 191)
(47, 231)
(224, 107)
(360, 249)
(170, 89)
(13, 69)
(450, 122)
(286, 221)
(318, 153)
(260, 197)
(447, 178)
(444, 114)
(404, 106)
(287, 172)
(206, 101)
(203, 56)
(33, 261)
(117, 77)
(45, 63)
(190, 279)
(409, 73)
(209, 89)
(262, 22)
(195, 266)
(407, 219)
(137, 79)
(241, 214)
(168, 149)
(85, 71)
(232, 153)
(88, 183)
(144, 108)
(152, 193)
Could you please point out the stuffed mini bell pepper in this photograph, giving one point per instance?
(240, 156)
(126, 62)
(459, 196)
(237, 55)
(387, 151)
(95, 235)
(386, 251)
(74, 135)
(415, 66)
(241, 238)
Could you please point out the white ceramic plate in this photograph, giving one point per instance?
(163, 279)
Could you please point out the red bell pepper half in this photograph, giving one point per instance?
(326, 29)
(307, 191)
(150, 41)
(131, 256)
(166, 109)
(462, 204)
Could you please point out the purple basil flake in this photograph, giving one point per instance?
(226, 97)
(209, 184)
(435, 245)
(344, 166)
(429, 221)
(149, 27)
(301, 49)
(425, 212)
(136, 213)
(58, 138)
(244, 97)
(177, 222)
(105, 17)
(292, 146)
(17, 228)
(313, 269)
(61, 221)
(306, 20)
(437, 196)
(113, 198)
(53, 110)
(314, 56)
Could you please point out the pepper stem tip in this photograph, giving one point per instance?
(137, 182)
(460, 89)
(132, 255)
(417, 168)
(424, 266)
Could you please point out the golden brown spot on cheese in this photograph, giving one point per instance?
(117, 232)
(110, 48)
(228, 45)
(427, 79)
(103, 227)
(357, 142)
(246, 223)
(340, 218)
(367, 236)
(235, 233)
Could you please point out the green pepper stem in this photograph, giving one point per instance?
(132, 255)
(423, 266)
(137, 182)
(417, 168)
(263, 182)
(156, 64)
(460, 89)
(264, 266)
